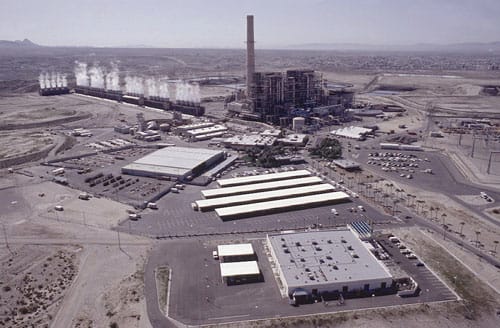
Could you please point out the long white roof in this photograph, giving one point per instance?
(246, 189)
(354, 132)
(235, 249)
(206, 204)
(263, 177)
(234, 269)
(174, 158)
(281, 204)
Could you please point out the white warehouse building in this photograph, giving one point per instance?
(333, 261)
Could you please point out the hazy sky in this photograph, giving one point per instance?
(221, 23)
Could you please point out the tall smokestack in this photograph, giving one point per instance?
(250, 54)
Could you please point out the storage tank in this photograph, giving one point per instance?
(298, 124)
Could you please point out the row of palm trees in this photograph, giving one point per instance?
(389, 196)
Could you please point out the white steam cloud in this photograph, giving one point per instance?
(113, 78)
(187, 92)
(134, 85)
(52, 80)
(97, 78)
(157, 88)
(81, 74)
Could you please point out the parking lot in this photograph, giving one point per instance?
(203, 298)
(431, 287)
(175, 217)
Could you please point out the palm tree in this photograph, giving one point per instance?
(477, 237)
(443, 216)
(408, 198)
(394, 203)
(385, 196)
(461, 227)
(430, 210)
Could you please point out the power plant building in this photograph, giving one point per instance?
(334, 261)
(271, 95)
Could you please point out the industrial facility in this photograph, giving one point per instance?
(244, 197)
(310, 264)
(271, 96)
(52, 84)
(178, 162)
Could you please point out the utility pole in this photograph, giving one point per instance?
(489, 161)
(473, 145)
(119, 243)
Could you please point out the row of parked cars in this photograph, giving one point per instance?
(404, 250)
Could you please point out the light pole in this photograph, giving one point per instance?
(496, 244)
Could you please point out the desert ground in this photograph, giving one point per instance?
(74, 269)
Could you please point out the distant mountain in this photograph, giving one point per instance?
(26, 43)
(453, 47)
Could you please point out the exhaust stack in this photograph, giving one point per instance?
(250, 55)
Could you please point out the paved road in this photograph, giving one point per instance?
(156, 317)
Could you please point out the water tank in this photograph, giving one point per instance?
(298, 123)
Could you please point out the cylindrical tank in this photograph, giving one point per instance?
(298, 124)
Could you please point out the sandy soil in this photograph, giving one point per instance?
(106, 283)
(13, 144)
(33, 281)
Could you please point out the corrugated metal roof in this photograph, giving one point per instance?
(173, 160)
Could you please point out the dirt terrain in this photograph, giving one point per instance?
(71, 269)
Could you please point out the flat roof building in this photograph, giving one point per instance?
(262, 178)
(179, 162)
(212, 203)
(240, 272)
(333, 261)
(265, 186)
(281, 205)
(235, 252)
(248, 141)
(352, 132)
